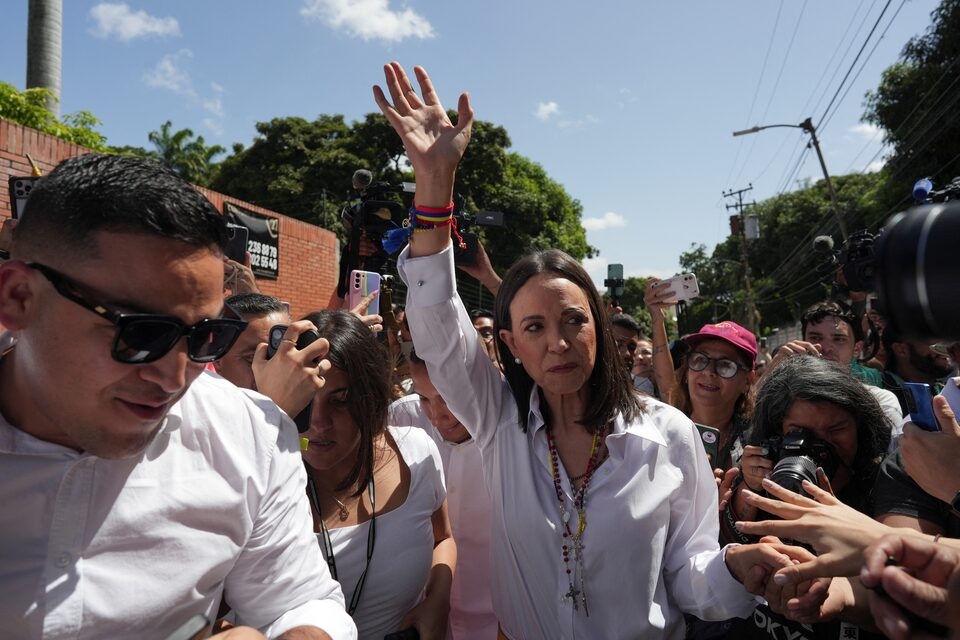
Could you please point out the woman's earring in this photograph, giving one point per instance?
(517, 360)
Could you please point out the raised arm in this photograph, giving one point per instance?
(433, 144)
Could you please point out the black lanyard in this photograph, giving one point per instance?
(327, 545)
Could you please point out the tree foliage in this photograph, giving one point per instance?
(188, 156)
(303, 169)
(29, 108)
(917, 106)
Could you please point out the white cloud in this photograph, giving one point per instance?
(214, 125)
(875, 166)
(118, 21)
(168, 74)
(214, 105)
(865, 130)
(597, 268)
(609, 220)
(546, 110)
(369, 19)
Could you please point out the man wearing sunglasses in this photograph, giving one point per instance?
(138, 490)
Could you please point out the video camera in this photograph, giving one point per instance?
(912, 264)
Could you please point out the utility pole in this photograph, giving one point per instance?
(751, 309)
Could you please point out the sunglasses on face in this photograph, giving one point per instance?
(723, 367)
(144, 337)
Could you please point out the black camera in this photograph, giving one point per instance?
(797, 456)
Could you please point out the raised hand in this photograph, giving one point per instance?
(434, 145)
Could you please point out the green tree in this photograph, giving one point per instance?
(188, 156)
(29, 108)
(916, 104)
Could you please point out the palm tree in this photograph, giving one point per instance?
(45, 48)
(192, 159)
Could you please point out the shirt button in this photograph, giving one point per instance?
(63, 560)
(419, 283)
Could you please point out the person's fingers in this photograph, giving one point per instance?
(755, 581)
(779, 528)
(260, 353)
(945, 416)
(823, 481)
(395, 76)
(779, 508)
(785, 495)
(316, 350)
(364, 303)
(889, 617)
(920, 597)
(465, 115)
(426, 86)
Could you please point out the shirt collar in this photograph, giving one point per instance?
(642, 427)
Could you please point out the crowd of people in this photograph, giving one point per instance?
(178, 460)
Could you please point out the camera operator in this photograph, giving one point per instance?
(832, 331)
(810, 414)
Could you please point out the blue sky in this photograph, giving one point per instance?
(630, 105)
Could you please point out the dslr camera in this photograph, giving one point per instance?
(797, 456)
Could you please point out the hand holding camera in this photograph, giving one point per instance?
(289, 369)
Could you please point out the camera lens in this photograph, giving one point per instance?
(791, 471)
(918, 269)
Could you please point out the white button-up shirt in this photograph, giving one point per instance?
(650, 544)
(98, 548)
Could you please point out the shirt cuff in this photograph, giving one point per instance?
(430, 280)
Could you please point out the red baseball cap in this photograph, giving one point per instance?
(731, 332)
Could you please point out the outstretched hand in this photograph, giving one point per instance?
(837, 532)
(434, 145)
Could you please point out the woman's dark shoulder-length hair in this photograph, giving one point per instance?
(817, 380)
(611, 389)
(354, 349)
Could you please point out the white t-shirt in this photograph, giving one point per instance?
(98, 548)
(651, 540)
(403, 547)
(468, 503)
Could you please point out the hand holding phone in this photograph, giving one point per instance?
(919, 398)
(361, 285)
(681, 287)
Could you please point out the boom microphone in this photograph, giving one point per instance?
(362, 179)
(823, 244)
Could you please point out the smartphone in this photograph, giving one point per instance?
(683, 287)
(468, 255)
(614, 281)
(276, 337)
(237, 236)
(193, 629)
(919, 398)
(20, 188)
(710, 437)
(362, 284)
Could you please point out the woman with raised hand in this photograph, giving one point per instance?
(376, 492)
(600, 529)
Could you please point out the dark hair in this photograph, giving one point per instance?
(831, 309)
(254, 304)
(355, 350)
(480, 313)
(817, 380)
(611, 390)
(123, 194)
(626, 321)
(889, 337)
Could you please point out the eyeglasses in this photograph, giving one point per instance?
(723, 367)
(486, 333)
(144, 337)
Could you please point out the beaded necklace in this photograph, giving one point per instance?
(577, 593)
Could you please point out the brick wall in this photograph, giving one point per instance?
(308, 254)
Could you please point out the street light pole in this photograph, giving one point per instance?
(807, 125)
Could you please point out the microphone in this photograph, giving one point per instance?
(823, 244)
(921, 189)
(362, 179)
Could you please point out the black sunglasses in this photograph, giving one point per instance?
(723, 367)
(144, 337)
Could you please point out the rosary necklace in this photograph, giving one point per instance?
(577, 593)
(342, 511)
